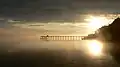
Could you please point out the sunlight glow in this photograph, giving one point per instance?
(95, 48)
(96, 22)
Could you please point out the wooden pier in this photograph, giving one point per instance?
(61, 38)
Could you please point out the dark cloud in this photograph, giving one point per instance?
(53, 9)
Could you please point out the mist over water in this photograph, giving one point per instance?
(27, 35)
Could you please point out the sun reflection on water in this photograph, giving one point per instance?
(95, 48)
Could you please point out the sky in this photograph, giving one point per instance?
(36, 16)
(54, 9)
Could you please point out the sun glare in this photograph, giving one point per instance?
(95, 48)
(96, 22)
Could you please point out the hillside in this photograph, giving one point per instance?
(109, 33)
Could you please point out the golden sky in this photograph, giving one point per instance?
(29, 32)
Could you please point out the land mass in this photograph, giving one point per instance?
(111, 34)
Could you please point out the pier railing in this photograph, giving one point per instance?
(61, 38)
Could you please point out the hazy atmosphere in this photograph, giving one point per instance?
(24, 21)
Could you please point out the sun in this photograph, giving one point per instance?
(95, 22)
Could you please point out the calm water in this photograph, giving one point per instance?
(76, 52)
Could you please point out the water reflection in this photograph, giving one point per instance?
(95, 48)
(73, 50)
